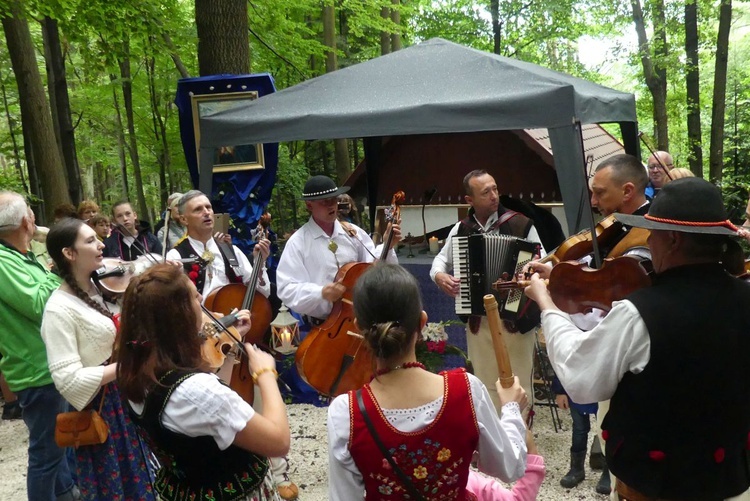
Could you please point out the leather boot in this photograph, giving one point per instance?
(596, 457)
(576, 474)
(604, 486)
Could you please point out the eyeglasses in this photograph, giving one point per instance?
(658, 167)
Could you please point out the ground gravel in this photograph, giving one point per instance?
(309, 456)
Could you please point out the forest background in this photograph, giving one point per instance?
(87, 87)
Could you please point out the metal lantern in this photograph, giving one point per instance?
(284, 332)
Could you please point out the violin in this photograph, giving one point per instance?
(219, 339)
(578, 245)
(115, 274)
(576, 288)
(331, 358)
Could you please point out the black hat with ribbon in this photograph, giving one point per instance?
(689, 205)
(322, 187)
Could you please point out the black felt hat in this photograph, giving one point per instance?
(690, 205)
(321, 187)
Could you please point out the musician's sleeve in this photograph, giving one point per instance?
(295, 285)
(533, 236)
(443, 262)
(345, 480)
(590, 364)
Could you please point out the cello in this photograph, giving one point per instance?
(231, 297)
(332, 358)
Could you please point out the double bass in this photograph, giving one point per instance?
(332, 358)
(231, 297)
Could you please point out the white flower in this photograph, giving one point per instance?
(434, 331)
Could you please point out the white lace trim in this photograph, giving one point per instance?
(414, 418)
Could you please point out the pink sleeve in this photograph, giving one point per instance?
(525, 489)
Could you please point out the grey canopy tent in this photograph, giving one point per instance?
(433, 87)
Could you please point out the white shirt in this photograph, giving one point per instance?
(443, 262)
(202, 406)
(590, 364)
(307, 264)
(216, 275)
(502, 446)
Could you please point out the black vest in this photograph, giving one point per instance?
(195, 466)
(518, 226)
(679, 429)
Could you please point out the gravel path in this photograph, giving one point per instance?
(309, 456)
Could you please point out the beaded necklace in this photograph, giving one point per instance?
(405, 365)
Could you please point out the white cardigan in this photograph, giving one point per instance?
(78, 340)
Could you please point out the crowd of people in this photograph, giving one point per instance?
(656, 369)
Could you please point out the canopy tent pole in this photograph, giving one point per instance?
(373, 157)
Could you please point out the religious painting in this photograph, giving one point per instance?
(232, 157)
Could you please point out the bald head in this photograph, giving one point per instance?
(656, 164)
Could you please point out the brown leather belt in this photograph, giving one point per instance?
(627, 493)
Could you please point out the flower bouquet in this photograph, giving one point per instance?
(433, 347)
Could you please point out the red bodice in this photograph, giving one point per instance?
(436, 459)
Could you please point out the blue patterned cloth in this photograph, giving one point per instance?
(115, 470)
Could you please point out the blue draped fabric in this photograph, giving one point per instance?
(244, 194)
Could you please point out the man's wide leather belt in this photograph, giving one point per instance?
(627, 493)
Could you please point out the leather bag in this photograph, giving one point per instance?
(86, 427)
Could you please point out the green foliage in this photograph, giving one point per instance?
(286, 41)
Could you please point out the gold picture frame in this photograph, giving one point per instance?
(228, 158)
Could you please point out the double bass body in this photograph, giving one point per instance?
(332, 358)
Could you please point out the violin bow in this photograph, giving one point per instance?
(642, 137)
(167, 218)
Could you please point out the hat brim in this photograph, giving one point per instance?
(323, 196)
(642, 222)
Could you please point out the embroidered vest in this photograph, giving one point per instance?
(195, 467)
(680, 428)
(198, 273)
(436, 459)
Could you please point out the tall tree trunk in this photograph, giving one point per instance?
(12, 133)
(496, 29)
(160, 132)
(127, 100)
(120, 139)
(385, 37)
(692, 83)
(340, 146)
(58, 86)
(35, 108)
(396, 18)
(35, 187)
(223, 44)
(718, 108)
(656, 85)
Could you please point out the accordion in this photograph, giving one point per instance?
(479, 260)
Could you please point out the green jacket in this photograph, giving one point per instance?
(25, 286)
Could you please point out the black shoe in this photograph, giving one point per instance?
(604, 486)
(576, 474)
(596, 458)
(11, 410)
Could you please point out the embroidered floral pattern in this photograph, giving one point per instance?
(420, 472)
(430, 464)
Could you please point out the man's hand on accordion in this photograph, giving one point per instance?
(448, 284)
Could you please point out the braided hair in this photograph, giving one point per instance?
(64, 234)
(388, 307)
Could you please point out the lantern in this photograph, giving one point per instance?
(284, 332)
